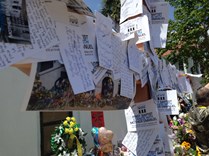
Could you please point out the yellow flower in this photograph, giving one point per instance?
(73, 119)
(186, 145)
(68, 118)
(198, 151)
(72, 124)
(65, 123)
(76, 129)
(70, 131)
(67, 130)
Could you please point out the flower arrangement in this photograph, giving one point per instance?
(68, 139)
(183, 137)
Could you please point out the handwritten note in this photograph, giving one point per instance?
(140, 142)
(74, 60)
(127, 82)
(104, 42)
(142, 116)
(157, 148)
(117, 46)
(153, 76)
(42, 27)
(12, 53)
(144, 71)
(134, 56)
(130, 8)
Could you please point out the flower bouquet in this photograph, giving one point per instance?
(68, 139)
(183, 137)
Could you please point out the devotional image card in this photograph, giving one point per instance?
(51, 90)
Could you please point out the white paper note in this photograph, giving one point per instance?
(97, 71)
(104, 42)
(42, 27)
(117, 46)
(134, 55)
(73, 57)
(144, 71)
(167, 102)
(157, 148)
(159, 12)
(130, 8)
(143, 115)
(139, 25)
(140, 142)
(127, 80)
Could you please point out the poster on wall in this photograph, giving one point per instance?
(143, 115)
(51, 90)
(167, 102)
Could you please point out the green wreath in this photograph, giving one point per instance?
(68, 139)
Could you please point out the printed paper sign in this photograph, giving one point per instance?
(140, 142)
(142, 115)
(167, 102)
(139, 25)
(73, 57)
(159, 12)
(104, 42)
(130, 8)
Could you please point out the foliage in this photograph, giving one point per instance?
(68, 139)
(111, 8)
(188, 34)
(183, 137)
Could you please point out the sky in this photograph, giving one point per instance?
(96, 5)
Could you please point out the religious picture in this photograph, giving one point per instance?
(52, 91)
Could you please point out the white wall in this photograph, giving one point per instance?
(114, 120)
(19, 131)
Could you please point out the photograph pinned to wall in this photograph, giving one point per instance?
(14, 27)
(51, 90)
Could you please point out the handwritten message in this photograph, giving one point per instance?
(140, 142)
(74, 60)
(127, 81)
(104, 42)
(134, 56)
(130, 8)
(42, 27)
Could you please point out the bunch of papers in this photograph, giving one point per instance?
(78, 61)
